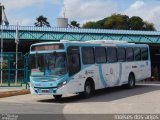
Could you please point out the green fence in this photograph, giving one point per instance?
(9, 69)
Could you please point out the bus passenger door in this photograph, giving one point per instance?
(74, 67)
(145, 64)
(137, 65)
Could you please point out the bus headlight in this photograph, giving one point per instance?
(62, 84)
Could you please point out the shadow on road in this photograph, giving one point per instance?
(108, 94)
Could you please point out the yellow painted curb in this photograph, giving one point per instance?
(14, 93)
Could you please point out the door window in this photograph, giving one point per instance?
(74, 65)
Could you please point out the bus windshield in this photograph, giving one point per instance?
(48, 64)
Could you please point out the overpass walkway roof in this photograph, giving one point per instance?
(80, 34)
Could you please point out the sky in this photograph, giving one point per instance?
(25, 12)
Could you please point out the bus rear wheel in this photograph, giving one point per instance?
(57, 97)
(131, 81)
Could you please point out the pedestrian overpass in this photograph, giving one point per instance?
(29, 35)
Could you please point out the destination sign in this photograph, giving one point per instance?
(47, 47)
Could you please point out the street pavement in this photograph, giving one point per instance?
(141, 99)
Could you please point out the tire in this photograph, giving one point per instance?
(88, 90)
(131, 81)
(57, 97)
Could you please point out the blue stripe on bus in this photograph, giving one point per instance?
(101, 76)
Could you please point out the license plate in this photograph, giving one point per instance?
(45, 91)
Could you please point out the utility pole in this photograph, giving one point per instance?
(5, 21)
(17, 42)
(0, 14)
(1, 22)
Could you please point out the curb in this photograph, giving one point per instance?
(14, 93)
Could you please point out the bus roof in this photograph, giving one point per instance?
(91, 43)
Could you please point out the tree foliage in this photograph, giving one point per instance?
(136, 23)
(89, 25)
(118, 21)
(41, 21)
(75, 24)
(149, 26)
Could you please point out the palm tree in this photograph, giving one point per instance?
(42, 22)
(75, 24)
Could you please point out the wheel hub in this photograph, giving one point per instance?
(88, 89)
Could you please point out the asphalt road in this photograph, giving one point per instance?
(141, 99)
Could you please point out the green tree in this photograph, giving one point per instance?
(75, 24)
(136, 23)
(149, 26)
(116, 21)
(41, 21)
(100, 23)
(89, 25)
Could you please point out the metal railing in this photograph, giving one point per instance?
(9, 69)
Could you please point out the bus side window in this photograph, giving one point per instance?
(121, 54)
(137, 54)
(88, 55)
(144, 53)
(129, 54)
(111, 54)
(100, 55)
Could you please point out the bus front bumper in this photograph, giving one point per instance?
(66, 89)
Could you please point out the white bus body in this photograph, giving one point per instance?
(90, 65)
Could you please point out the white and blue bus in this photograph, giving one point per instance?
(59, 68)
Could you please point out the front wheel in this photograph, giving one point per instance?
(88, 90)
(131, 81)
(57, 97)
